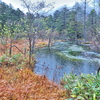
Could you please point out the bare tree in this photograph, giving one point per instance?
(98, 2)
(85, 10)
(33, 9)
(99, 7)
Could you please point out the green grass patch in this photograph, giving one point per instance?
(67, 56)
(83, 87)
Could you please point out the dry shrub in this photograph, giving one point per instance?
(26, 85)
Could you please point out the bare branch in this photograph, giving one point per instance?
(37, 6)
(82, 0)
(17, 48)
(26, 5)
(86, 1)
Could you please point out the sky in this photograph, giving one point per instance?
(58, 3)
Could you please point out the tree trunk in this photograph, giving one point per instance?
(33, 43)
(85, 20)
(49, 42)
(99, 7)
(10, 50)
(30, 51)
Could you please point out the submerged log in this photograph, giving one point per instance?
(98, 71)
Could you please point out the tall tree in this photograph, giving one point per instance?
(61, 20)
(98, 21)
(99, 7)
(3, 16)
(79, 11)
(51, 25)
(74, 27)
(33, 9)
(91, 22)
(85, 11)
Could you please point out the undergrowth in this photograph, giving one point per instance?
(16, 60)
(18, 82)
(83, 87)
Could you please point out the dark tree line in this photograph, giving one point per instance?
(64, 23)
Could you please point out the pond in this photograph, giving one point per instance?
(64, 58)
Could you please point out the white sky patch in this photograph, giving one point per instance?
(58, 3)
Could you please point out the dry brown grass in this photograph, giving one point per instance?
(23, 84)
(22, 45)
(26, 85)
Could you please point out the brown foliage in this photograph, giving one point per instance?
(23, 84)
(22, 45)
(26, 85)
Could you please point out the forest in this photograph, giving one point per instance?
(71, 35)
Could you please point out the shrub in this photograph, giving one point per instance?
(83, 87)
(16, 59)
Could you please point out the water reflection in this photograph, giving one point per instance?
(54, 67)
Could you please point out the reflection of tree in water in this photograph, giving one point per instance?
(49, 64)
(54, 73)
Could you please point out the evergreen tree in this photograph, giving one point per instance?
(91, 23)
(61, 17)
(74, 27)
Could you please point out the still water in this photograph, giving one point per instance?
(54, 66)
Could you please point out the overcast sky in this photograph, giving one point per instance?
(58, 3)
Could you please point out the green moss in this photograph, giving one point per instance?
(86, 42)
(75, 53)
(67, 57)
(42, 44)
(75, 48)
